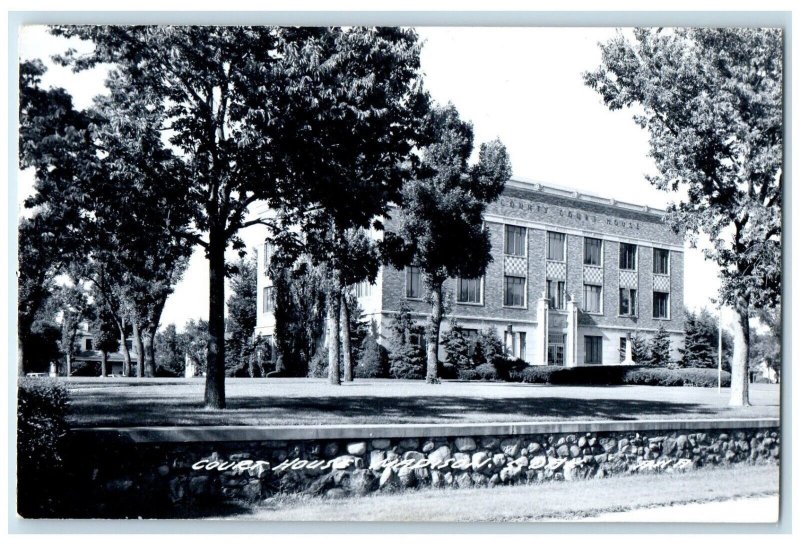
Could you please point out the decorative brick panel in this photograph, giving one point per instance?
(661, 282)
(593, 275)
(516, 265)
(628, 279)
(556, 270)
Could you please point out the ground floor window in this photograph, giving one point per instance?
(660, 305)
(515, 344)
(593, 349)
(556, 343)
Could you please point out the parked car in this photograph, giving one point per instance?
(36, 374)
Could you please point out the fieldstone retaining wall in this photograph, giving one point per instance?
(136, 472)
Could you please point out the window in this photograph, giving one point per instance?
(555, 348)
(515, 344)
(592, 251)
(515, 240)
(267, 255)
(660, 261)
(623, 344)
(627, 256)
(593, 349)
(89, 343)
(555, 293)
(469, 290)
(269, 301)
(417, 338)
(592, 299)
(129, 344)
(363, 289)
(514, 295)
(627, 302)
(660, 305)
(413, 284)
(555, 246)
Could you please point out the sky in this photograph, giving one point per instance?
(521, 84)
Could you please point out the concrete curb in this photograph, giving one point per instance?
(213, 434)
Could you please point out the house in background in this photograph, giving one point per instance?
(87, 358)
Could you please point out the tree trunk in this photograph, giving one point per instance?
(740, 378)
(347, 353)
(215, 359)
(137, 340)
(434, 326)
(20, 354)
(149, 354)
(123, 347)
(333, 330)
(68, 370)
(103, 363)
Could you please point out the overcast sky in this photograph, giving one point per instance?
(520, 84)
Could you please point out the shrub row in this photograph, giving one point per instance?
(617, 375)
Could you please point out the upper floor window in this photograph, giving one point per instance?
(660, 305)
(515, 240)
(267, 255)
(413, 282)
(269, 300)
(592, 298)
(469, 290)
(555, 293)
(660, 261)
(592, 251)
(514, 293)
(555, 246)
(627, 256)
(627, 302)
(89, 342)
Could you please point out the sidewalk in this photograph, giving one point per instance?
(744, 510)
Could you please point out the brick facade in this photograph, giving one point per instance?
(541, 209)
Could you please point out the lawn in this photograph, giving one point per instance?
(559, 500)
(176, 402)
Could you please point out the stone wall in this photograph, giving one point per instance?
(123, 478)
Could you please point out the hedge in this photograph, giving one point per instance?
(618, 375)
(41, 428)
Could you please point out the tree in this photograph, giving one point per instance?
(299, 311)
(170, 348)
(242, 312)
(767, 347)
(441, 215)
(357, 119)
(659, 355)
(105, 335)
(406, 358)
(253, 112)
(698, 345)
(639, 351)
(459, 349)
(76, 309)
(53, 141)
(712, 101)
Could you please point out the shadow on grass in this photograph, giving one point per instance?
(98, 409)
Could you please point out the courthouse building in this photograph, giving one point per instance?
(572, 276)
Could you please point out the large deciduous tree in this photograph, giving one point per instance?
(441, 215)
(262, 113)
(712, 102)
